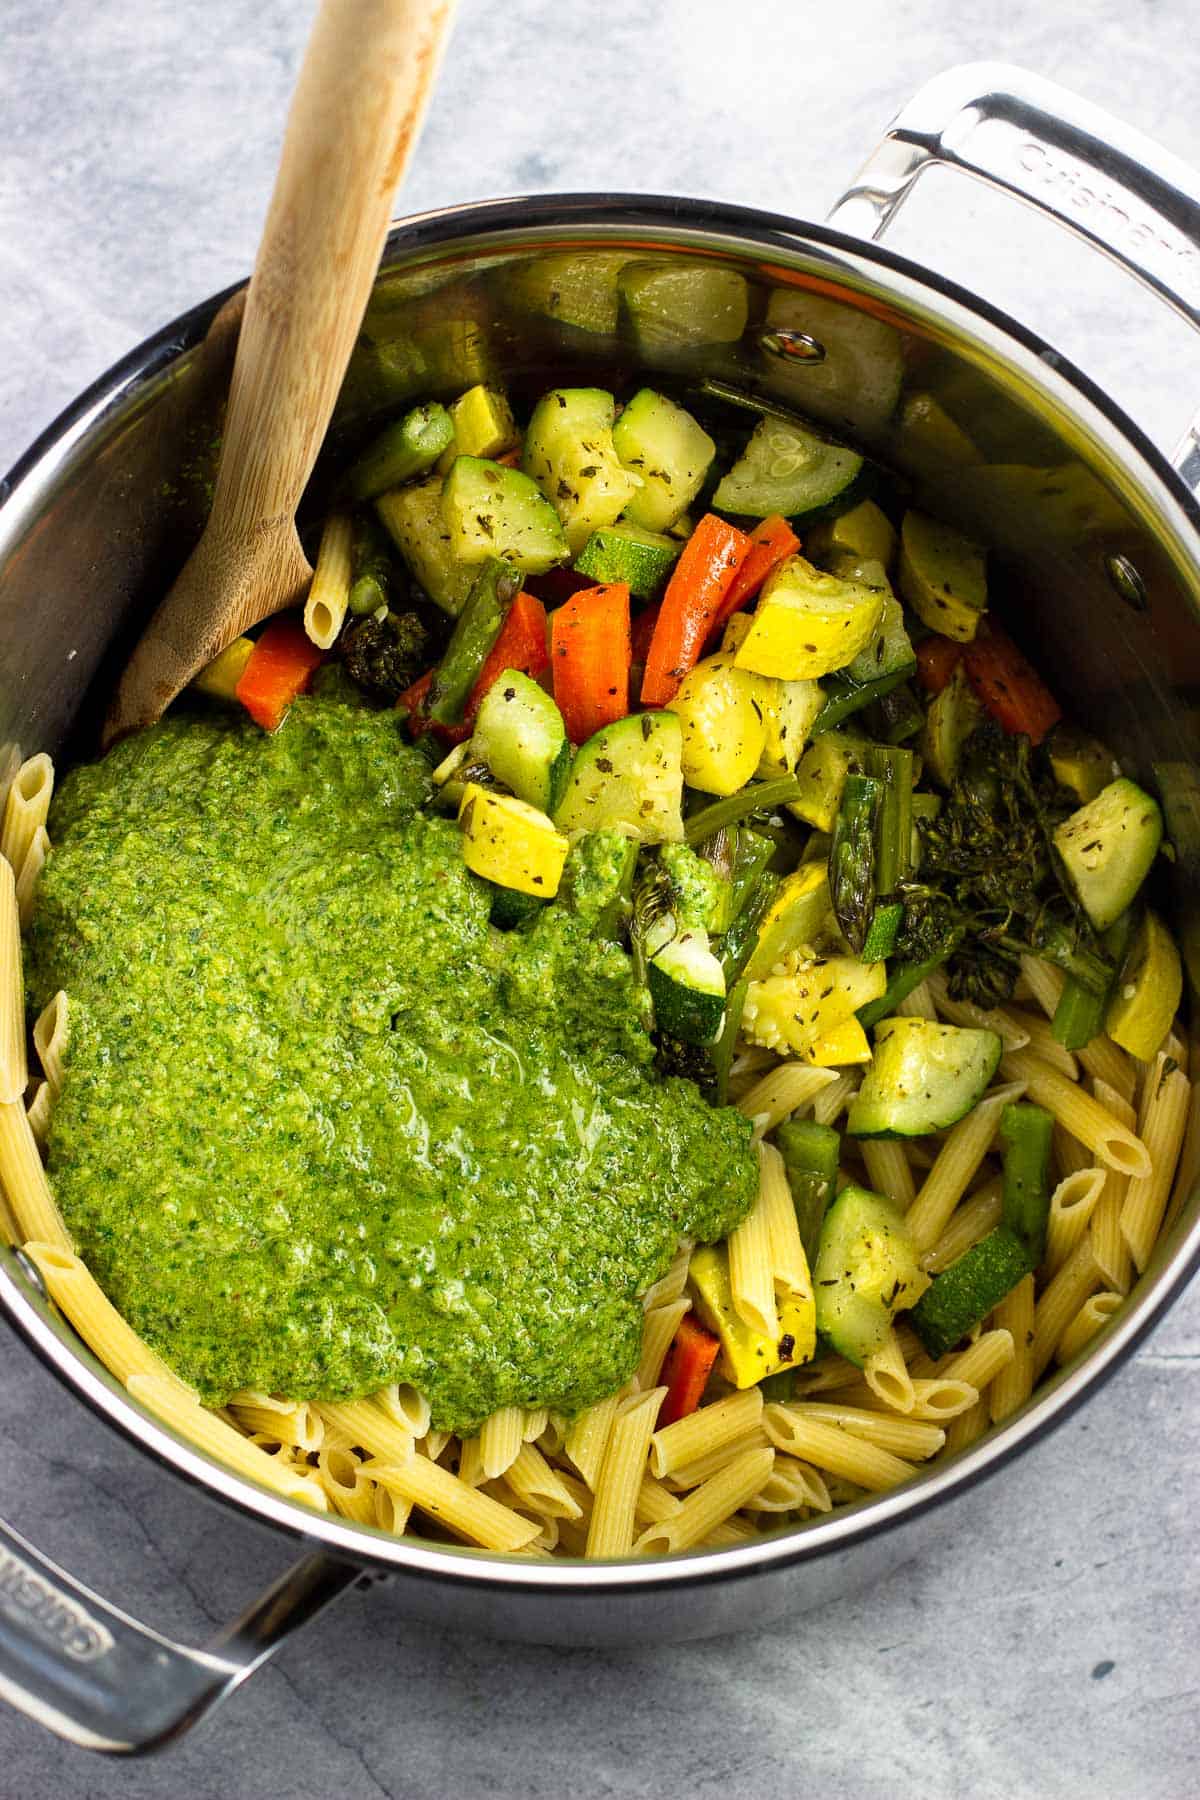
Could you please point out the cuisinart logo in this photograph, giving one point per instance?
(32, 1601)
(1114, 214)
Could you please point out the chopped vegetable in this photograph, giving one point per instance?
(591, 653)
(383, 654)
(1025, 1133)
(965, 1293)
(925, 1077)
(803, 1001)
(219, 678)
(519, 735)
(701, 578)
(629, 776)
(1107, 847)
(746, 1355)
(664, 445)
(807, 623)
(492, 511)
(1007, 686)
(686, 1369)
(280, 666)
(406, 449)
(865, 1273)
(852, 859)
(942, 575)
(475, 632)
(937, 659)
(521, 645)
(810, 1158)
(722, 711)
(773, 542)
(511, 843)
(1147, 991)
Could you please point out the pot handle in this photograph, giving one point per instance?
(100, 1680)
(1101, 179)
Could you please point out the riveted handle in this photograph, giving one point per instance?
(1105, 182)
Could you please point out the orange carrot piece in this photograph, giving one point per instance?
(415, 700)
(521, 645)
(937, 659)
(280, 666)
(686, 1369)
(590, 653)
(699, 583)
(642, 632)
(1007, 685)
(773, 540)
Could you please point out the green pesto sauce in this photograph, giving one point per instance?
(322, 1127)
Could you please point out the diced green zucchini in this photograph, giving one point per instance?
(1147, 991)
(1107, 847)
(569, 453)
(665, 446)
(785, 469)
(494, 511)
(628, 776)
(865, 1273)
(951, 718)
(641, 559)
(1080, 762)
(687, 988)
(416, 524)
(520, 735)
(966, 1292)
(943, 576)
(864, 533)
(406, 449)
(857, 382)
(673, 306)
(821, 775)
(800, 916)
(924, 1077)
(574, 287)
(483, 426)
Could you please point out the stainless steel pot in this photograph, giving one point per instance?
(1098, 540)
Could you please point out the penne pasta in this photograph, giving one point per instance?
(789, 1265)
(834, 1449)
(913, 1439)
(693, 1473)
(671, 1285)
(889, 1170)
(300, 1427)
(969, 1223)
(27, 807)
(38, 1110)
(674, 1446)
(1044, 982)
(790, 1485)
(1092, 1316)
(1079, 1276)
(1079, 1113)
(23, 1181)
(178, 1408)
(661, 1324)
(1105, 1061)
(983, 1360)
(465, 1510)
(30, 873)
(348, 1488)
(654, 1502)
(392, 1511)
(966, 1428)
(960, 1156)
(964, 1012)
(1104, 1227)
(81, 1300)
(368, 1427)
(1069, 1155)
(1072, 1204)
(1013, 1384)
(500, 1440)
(886, 1374)
(610, 1532)
(708, 1505)
(1161, 1128)
(405, 1407)
(329, 593)
(50, 1034)
(470, 1462)
(919, 1004)
(781, 1092)
(751, 1275)
(536, 1420)
(14, 1073)
(534, 1482)
(1040, 1038)
(832, 1101)
(587, 1438)
(938, 1397)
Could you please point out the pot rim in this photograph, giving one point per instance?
(967, 320)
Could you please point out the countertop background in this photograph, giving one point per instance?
(1046, 1645)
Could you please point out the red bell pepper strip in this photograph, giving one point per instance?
(686, 1369)
(773, 540)
(699, 583)
(1007, 685)
(642, 632)
(937, 659)
(521, 646)
(590, 655)
(415, 699)
(280, 666)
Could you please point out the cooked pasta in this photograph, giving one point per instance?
(1079, 1276)
(368, 1427)
(967, 1427)
(832, 1100)
(691, 1474)
(1072, 1205)
(751, 1270)
(30, 873)
(50, 1032)
(1092, 1316)
(983, 1360)
(1079, 1113)
(963, 1012)
(465, 1510)
(960, 1156)
(177, 1407)
(1044, 982)
(26, 808)
(23, 1181)
(707, 1506)
(671, 1285)
(405, 1407)
(14, 1072)
(587, 1438)
(704, 1430)
(610, 1532)
(533, 1481)
(329, 593)
(782, 1091)
(348, 1488)
(913, 1439)
(1104, 1227)
(1039, 1037)
(661, 1324)
(889, 1170)
(1013, 1384)
(886, 1374)
(968, 1224)
(789, 1265)
(832, 1448)
(1161, 1127)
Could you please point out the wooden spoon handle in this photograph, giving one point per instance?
(363, 89)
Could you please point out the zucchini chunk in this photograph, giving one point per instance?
(846, 1043)
(966, 1292)
(1107, 847)
(673, 306)
(494, 511)
(510, 843)
(821, 775)
(865, 1273)
(791, 708)
(746, 1355)
(924, 1077)
(520, 735)
(722, 710)
(943, 576)
(890, 650)
(629, 777)
(1080, 762)
(569, 453)
(416, 524)
(808, 623)
(799, 917)
(687, 988)
(951, 718)
(641, 559)
(1147, 991)
(785, 469)
(665, 446)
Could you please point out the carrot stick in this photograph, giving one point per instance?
(937, 659)
(415, 700)
(590, 653)
(686, 1370)
(521, 645)
(1007, 685)
(642, 632)
(279, 667)
(699, 583)
(773, 540)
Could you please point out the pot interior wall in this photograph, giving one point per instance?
(1085, 574)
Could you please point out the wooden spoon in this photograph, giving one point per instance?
(354, 120)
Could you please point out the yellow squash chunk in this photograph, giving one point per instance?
(1143, 1007)
(943, 576)
(219, 680)
(483, 426)
(846, 1043)
(721, 713)
(798, 919)
(803, 1002)
(790, 709)
(746, 1355)
(735, 633)
(511, 843)
(821, 773)
(808, 623)
(1080, 762)
(864, 534)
